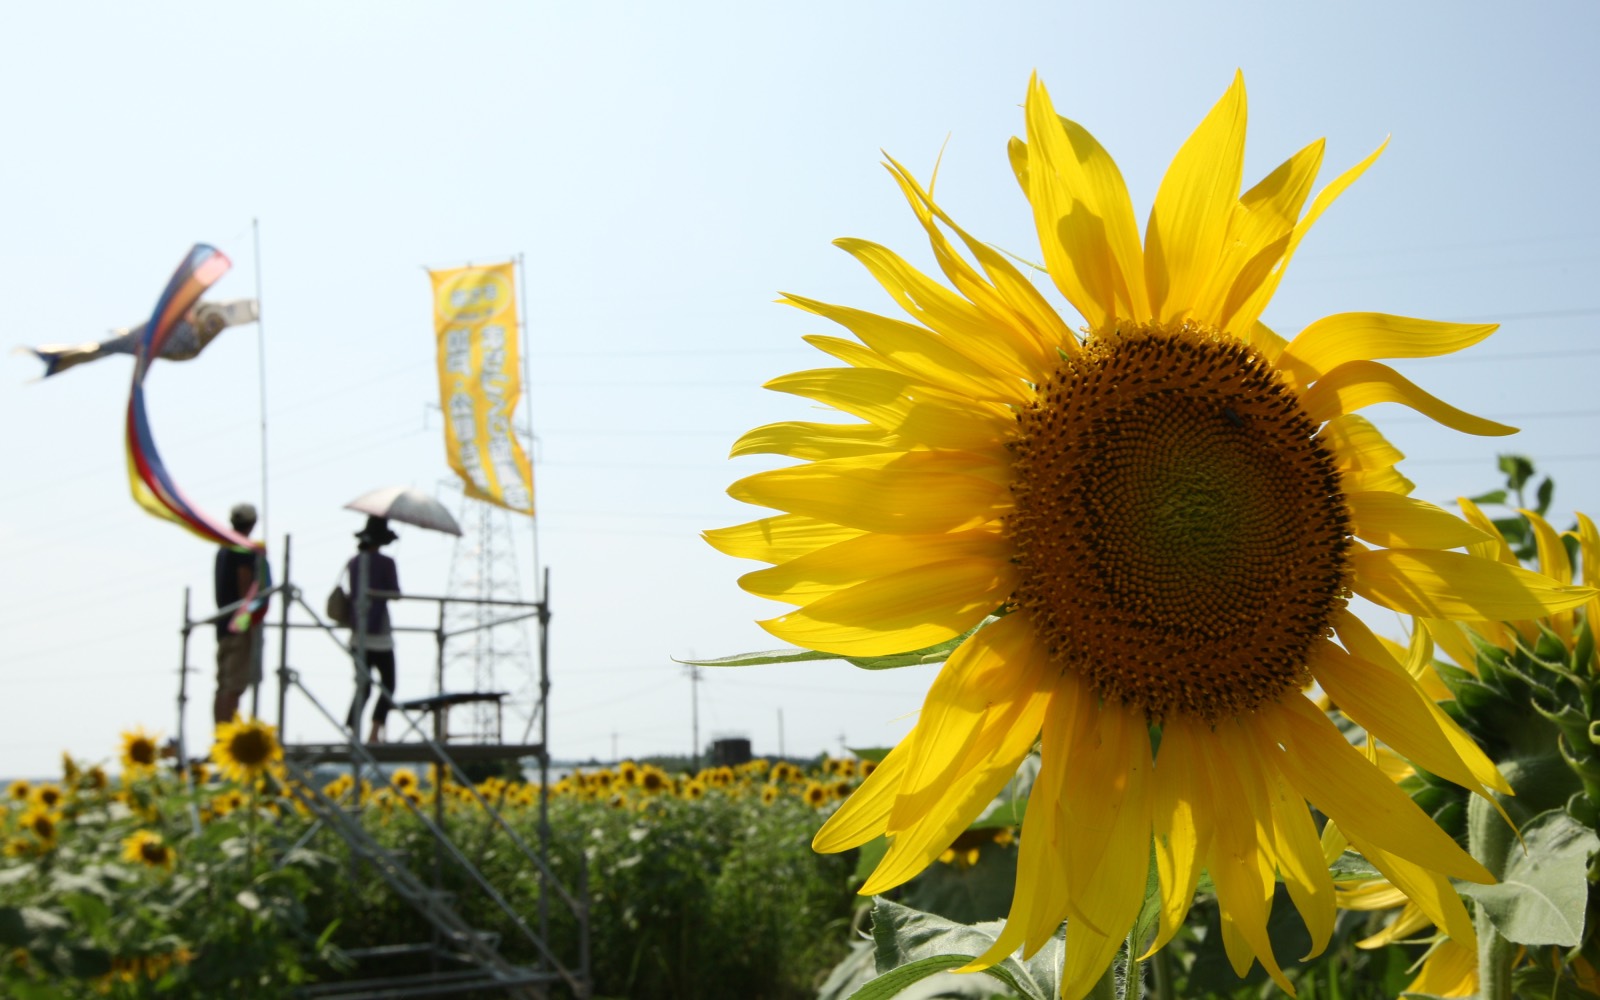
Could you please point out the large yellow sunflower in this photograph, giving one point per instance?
(1168, 512)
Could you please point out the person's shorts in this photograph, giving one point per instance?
(239, 660)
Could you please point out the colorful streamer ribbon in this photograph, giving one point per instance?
(148, 478)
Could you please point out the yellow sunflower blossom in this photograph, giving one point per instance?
(246, 749)
(43, 824)
(1168, 513)
(816, 794)
(47, 796)
(19, 790)
(139, 752)
(146, 847)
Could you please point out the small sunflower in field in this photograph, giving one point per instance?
(1134, 544)
(95, 779)
(769, 794)
(653, 780)
(43, 824)
(19, 790)
(816, 794)
(20, 847)
(140, 752)
(628, 771)
(246, 749)
(146, 847)
(70, 771)
(47, 796)
(404, 779)
(693, 790)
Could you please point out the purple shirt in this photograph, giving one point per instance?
(381, 575)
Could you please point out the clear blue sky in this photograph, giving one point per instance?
(666, 170)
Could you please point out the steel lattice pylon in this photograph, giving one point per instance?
(490, 657)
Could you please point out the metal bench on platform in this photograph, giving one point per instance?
(439, 706)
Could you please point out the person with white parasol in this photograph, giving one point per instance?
(371, 573)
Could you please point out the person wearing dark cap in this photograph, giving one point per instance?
(372, 637)
(238, 640)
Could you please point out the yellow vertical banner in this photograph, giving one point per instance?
(480, 381)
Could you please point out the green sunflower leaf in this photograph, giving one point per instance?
(937, 653)
(912, 945)
(1541, 895)
(1352, 867)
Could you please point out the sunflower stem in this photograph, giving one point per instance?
(1489, 838)
(1133, 984)
(1495, 958)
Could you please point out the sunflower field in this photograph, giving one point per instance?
(699, 885)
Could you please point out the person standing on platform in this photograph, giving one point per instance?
(372, 637)
(238, 648)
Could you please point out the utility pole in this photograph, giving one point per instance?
(781, 754)
(694, 717)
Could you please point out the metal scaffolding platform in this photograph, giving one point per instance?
(462, 960)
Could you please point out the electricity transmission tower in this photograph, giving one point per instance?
(486, 658)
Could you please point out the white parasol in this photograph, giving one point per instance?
(408, 506)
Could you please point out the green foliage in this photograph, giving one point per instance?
(78, 918)
(1542, 893)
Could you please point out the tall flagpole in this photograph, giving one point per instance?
(259, 648)
(261, 368)
(527, 412)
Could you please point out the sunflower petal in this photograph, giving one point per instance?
(1250, 312)
(945, 312)
(1299, 856)
(901, 611)
(1358, 444)
(1385, 701)
(1262, 228)
(1240, 853)
(1553, 562)
(816, 442)
(1021, 297)
(1364, 645)
(1449, 970)
(1106, 805)
(978, 684)
(1367, 336)
(778, 539)
(865, 814)
(1496, 547)
(1337, 779)
(1357, 384)
(913, 411)
(919, 352)
(1036, 913)
(1084, 216)
(979, 742)
(1182, 827)
(916, 493)
(1401, 522)
(1188, 225)
(868, 557)
(1434, 584)
(1429, 890)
